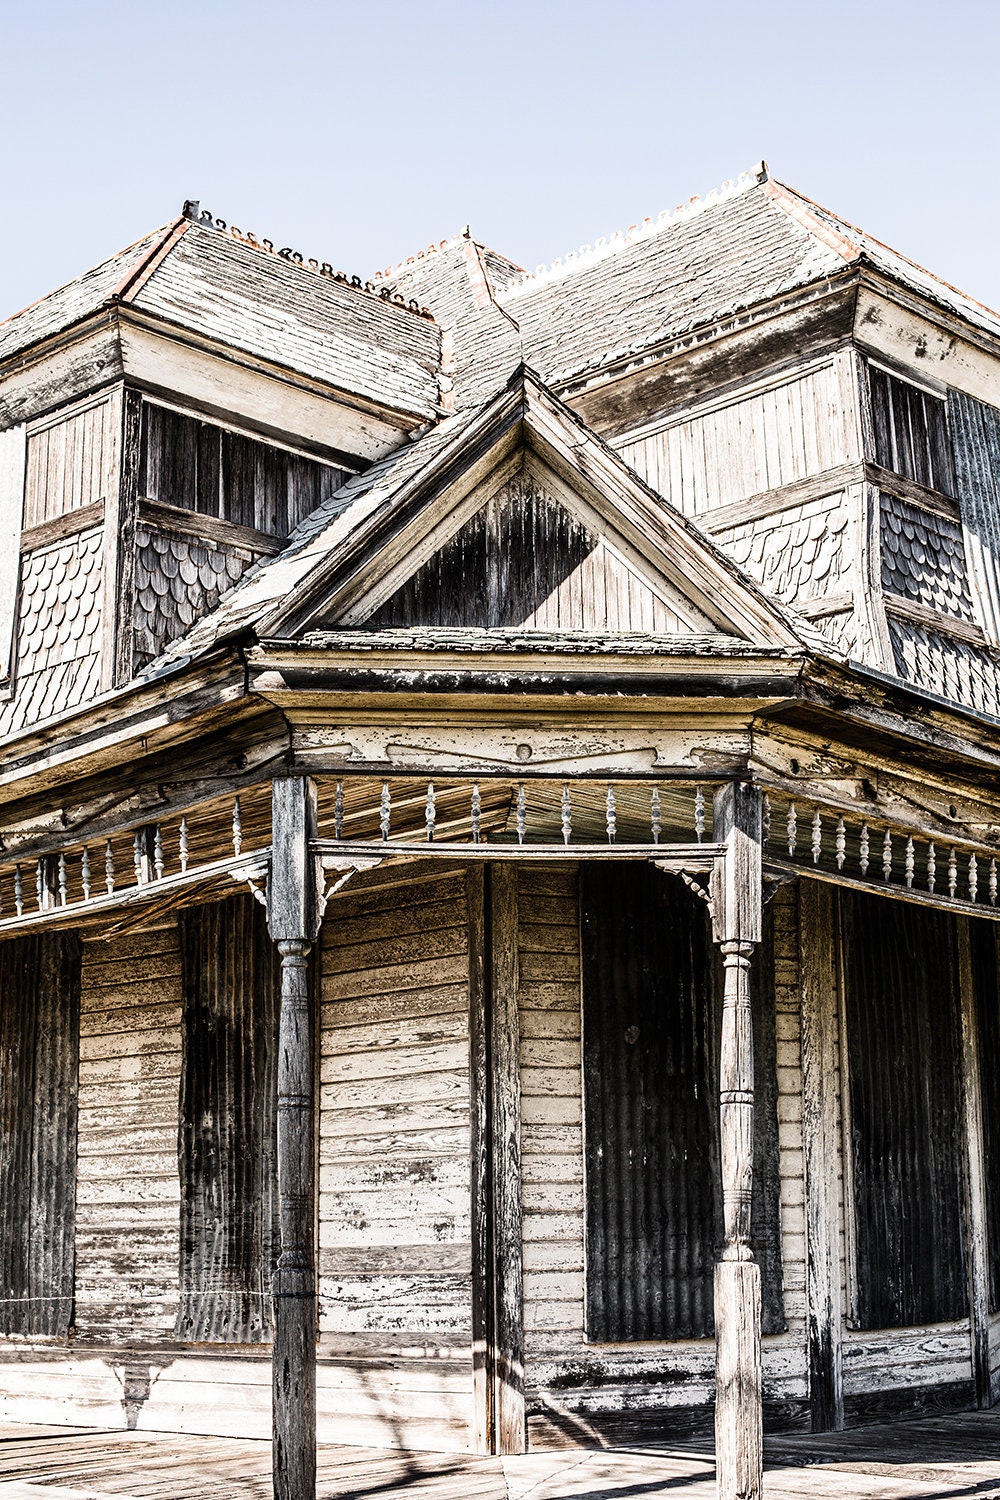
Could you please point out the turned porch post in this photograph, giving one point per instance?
(293, 921)
(737, 892)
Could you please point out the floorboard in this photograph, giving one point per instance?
(935, 1458)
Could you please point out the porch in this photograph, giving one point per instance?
(941, 1457)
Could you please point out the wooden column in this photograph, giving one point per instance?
(497, 1296)
(736, 904)
(293, 921)
(975, 1172)
(821, 1143)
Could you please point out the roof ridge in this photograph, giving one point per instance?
(807, 214)
(819, 208)
(464, 236)
(96, 267)
(136, 277)
(606, 246)
(195, 214)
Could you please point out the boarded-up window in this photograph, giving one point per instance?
(39, 1049)
(199, 466)
(911, 431)
(651, 1018)
(230, 1229)
(976, 436)
(901, 1006)
(984, 937)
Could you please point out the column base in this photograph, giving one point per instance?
(739, 1462)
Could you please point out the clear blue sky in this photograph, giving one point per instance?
(359, 133)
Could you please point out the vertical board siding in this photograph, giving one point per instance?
(906, 1126)
(201, 467)
(128, 1194)
(911, 431)
(227, 1142)
(754, 443)
(39, 1038)
(524, 560)
(975, 430)
(986, 980)
(70, 463)
(395, 1254)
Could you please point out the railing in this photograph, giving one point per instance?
(808, 837)
(566, 815)
(133, 864)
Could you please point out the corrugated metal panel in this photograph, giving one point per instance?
(39, 1048)
(230, 1228)
(651, 1013)
(975, 430)
(906, 1121)
(986, 974)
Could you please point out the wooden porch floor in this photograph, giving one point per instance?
(941, 1458)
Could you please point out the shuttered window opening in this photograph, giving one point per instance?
(39, 1050)
(902, 1019)
(652, 989)
(911, 431)
(983, 940)
(227, 1138)
(199, 466)
(976, 435)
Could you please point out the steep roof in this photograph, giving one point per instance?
(235, 289)
(283, 585)
(750, 241)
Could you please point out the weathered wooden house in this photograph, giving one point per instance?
(500, 835)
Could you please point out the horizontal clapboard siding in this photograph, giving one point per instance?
(128, 1194)
(394, 1160)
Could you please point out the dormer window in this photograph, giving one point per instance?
(911, 431)
(217, 471)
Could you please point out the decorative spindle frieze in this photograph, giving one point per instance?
(182, 845)
(699, 814)
(655, 822)
(841, 843)
(992, 887)
(430, 812)
(566, 814)
(18, 891)
(973, 877)
(522, 812)
(817, 836)
(237, 828)
(908, 864)
(338, 811)
(158, 852)
(385, 812)
(791, 826)
(611, 818)
(109, 868)
(887, 856)
(952, 873)
(477, 813)
(765, 820)
(85, 872)
(931, 867)
(61, 879)
(864, 846)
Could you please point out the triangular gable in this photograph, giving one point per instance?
(526, 467)
(526, 560)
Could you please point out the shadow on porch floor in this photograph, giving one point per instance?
(941, 1458)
